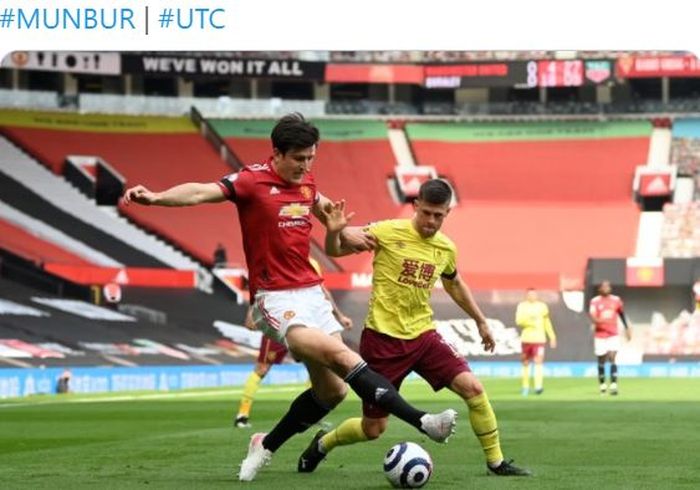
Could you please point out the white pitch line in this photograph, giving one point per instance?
(154, 396)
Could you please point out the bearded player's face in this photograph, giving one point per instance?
(292, 166)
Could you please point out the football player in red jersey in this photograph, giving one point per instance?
(275, 201)
(604, 311)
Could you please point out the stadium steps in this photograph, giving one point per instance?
(401, 147)
(135, 247)
(659, 148)
(649, 234)
(48, 233)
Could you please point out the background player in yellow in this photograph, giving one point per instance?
(532, 315)
(400, 336)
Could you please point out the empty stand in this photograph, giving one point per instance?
(537, 199)
(156, 152)
(34, 248)
(53, 237)
(30, 203)
(111, 337)
(681, 230)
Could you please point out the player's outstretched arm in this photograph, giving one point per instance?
(460, 293)
(341, 239)
(189, 194)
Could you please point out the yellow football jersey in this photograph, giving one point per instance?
(406, 267)
(533, 318)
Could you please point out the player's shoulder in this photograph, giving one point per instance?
(390, 225)
(596, 299)
(445, 241)
(615, 298)
(257, 169)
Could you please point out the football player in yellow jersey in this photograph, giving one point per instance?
(532, 315)
(400, 336)
(272, 352)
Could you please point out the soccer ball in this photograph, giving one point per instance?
(407, 465)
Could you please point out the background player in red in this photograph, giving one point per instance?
(275, 201)
(604, 311)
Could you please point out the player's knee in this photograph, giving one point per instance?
(343, 360)
(467, 386)
(331, 397)
(374, 428)
(262, 369)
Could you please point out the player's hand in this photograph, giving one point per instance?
(553, 344)
(336, 219)
(357, 240)
(486, 338)
(139, 194)
(345, 321)
(628, 334)
(249, 323)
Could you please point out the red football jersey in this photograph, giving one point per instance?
(606, 308)
(275, 218)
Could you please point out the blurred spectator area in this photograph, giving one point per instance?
(681, 230)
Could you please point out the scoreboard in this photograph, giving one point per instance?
(560, 73)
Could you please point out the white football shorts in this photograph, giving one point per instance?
(602, 346)
(275, 311)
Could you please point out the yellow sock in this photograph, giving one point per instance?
(249, 389)
(539, 376)
(484, 425)
(348, 432)
(526, 377)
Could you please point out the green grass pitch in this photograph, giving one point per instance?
(570, 437)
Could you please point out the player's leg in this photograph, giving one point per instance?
(388, 357)
(601, 350)
(310, 344)
(327, 390)
(306, 410)
(442, 366)
(350, 431)
(250, 388)
(270, 353)
(525, 383)
(611, 356)
(484, 424)
(539, 370)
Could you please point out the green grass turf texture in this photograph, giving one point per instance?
(570, 437)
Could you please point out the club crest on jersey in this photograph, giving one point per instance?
(294, 210)
(289, 314)
(305, 191)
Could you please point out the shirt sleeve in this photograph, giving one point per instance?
(380, 230)
(450, 270)
(548, 327)
(237, 187)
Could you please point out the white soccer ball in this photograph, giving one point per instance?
(407, 465)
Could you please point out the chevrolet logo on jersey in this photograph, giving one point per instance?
(295, 210)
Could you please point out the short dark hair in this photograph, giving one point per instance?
(435, 191)
(293, 132)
